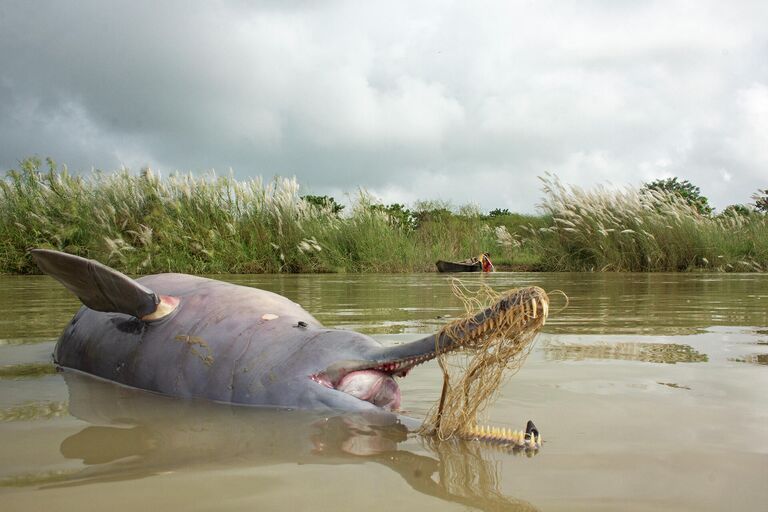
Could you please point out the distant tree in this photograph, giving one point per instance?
(470, 210)
(499, 212)
(685, 189)
(324, 202)
(433, 205)
(398, 215)
(761, 200)
(434, 210)
(736, 210)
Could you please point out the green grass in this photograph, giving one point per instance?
(141, 223)
(632, 230)
(217, 224)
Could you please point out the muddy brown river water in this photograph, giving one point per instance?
(650, 390)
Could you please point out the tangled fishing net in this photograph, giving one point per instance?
(493, 344)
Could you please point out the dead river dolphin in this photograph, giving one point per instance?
(189, 336)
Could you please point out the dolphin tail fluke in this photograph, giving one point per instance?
(97, 286)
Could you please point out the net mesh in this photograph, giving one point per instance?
(493, 345)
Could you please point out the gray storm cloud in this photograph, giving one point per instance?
(462, 103)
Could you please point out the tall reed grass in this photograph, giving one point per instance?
(634, 230)
(142, 223)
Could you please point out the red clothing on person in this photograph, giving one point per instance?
(487, 265)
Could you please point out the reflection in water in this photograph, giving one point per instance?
(134, 434)
(42, 410)
(761, 341)
(674, 385)
(15, 371)
(467, 473)
(752, 359)
(669, 353)
(34, 309)
(34, 479)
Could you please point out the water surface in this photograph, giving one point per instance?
(649, 390)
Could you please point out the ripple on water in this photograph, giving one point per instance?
(644, 387)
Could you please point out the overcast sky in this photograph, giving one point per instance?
(461, 101)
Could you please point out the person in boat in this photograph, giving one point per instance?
(485, 258)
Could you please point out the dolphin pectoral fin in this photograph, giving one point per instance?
(97, 286)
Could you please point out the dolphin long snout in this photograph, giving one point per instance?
(526, 306)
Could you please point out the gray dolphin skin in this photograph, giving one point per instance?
(189, 336)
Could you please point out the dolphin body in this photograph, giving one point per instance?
(188, 336)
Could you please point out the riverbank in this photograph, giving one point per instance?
(142, 223)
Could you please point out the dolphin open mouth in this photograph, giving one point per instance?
(373, 386)
(372, 382)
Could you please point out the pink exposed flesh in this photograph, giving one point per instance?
(372, 386)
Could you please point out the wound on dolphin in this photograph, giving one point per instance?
(189, 336)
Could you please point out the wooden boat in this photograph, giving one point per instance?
(463, 266)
